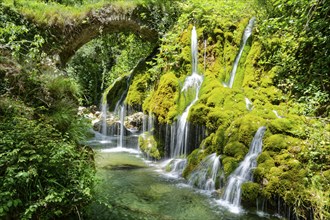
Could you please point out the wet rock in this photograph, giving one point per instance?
(134, 122)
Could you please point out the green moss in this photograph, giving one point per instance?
(163, 99)
(250, 192)
(138, 90)
(193, 160)
(115, 90)
(198, 113)
(293, 125)
(219, 117)
(229, 164)
(279, 142)
(210, 83)
(148, 145)
(243, 129)
(240, 72)
(236, 149)
(252, 73)
(264, 164)
(275, 143)
(326, 175)
(263, 157)
(226, 98)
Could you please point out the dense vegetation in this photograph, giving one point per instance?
(279, 70)
(46, 172)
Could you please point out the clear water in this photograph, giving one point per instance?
(130, 188)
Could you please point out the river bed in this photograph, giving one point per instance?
(131, 187)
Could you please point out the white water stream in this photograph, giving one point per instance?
(246, 35)
(243, 173)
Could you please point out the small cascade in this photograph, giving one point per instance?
(179, 130)
(104, 108)
(246, 35)
(206, 174)
(248, 103)
(232, 195)
(122, 114)
(144, 124)
(150, 124)
(277, 115)
(205, 44)
(194, 50)
(193, 81)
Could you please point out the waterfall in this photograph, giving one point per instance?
(248, 104)
(144, 123)
(205, 175)
(179, 130)
(205, 44)
(194, 50)
(104, 107)
(277, 115)
(246, 35)
(150, 124)
(193, 81)
(122, 114)
(242, 174)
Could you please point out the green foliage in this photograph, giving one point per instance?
(20, 37)
(43, 174)
(298, 46)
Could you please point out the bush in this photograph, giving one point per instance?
(43, 174)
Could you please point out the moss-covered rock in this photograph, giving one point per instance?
(244, 128)
(148, 146)
(193, 160)
(138, 90)
(219, 117)
(250, 192)
(236, 149)
(163, 99)
(229, 164)
(278, 142)
(292, 125)
(115, 91)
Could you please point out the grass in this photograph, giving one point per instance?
(53, 13)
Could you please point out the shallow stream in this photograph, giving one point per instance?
(131, 187)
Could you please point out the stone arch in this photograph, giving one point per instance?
(109, 19)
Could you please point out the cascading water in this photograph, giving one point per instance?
(205, 44)
(122, 127)
(104, 108)
(150, 124)
(277, 115)
(246, 35)
(248, 104)
(232, 195)
(179, 136)
(193, 81)
(206, 174)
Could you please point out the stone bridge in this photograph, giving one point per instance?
(109, 19)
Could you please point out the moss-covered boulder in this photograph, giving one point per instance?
(243, 129)
(138, 90)
(148, 146)
(163, 100)
(229, 164)
(250, 193)
(236, 149)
